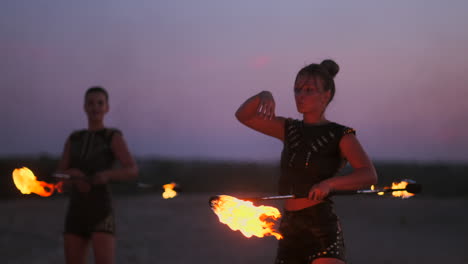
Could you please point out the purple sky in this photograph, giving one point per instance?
(177, 71)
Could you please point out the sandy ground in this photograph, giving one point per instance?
(380, 230)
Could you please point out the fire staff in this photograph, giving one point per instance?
(314, 151)
(88, 159)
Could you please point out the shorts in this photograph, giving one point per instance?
(85, 222)
(310, 233)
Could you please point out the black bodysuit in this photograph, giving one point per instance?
(311, 154)
(88, 212)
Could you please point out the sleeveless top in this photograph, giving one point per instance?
(91, 152)
(311, 153)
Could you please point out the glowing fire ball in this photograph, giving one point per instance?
(242, 215)
(169, 190)
(26, 182)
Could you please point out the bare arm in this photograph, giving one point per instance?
(363, 174)
(258, 113)
(128, 169)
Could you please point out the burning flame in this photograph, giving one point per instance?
(250, 220)
(26, 182)
(169, 190)
(379, 193)
(401, 185)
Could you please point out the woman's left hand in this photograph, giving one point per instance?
(319, 191)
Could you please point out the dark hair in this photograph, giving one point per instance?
(326, 71)
(97, 89)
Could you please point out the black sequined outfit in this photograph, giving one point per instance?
(311, 154)
(310, 233)
(88, 212)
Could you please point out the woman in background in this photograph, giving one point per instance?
(314, 151)
(88, 158)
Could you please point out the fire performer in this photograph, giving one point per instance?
(314, 151)
(88, 158)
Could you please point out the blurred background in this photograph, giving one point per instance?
(177, 71)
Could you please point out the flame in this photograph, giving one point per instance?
(250, 220)
(401, 185)
(379, 193)
(169, 190)
(26, 182)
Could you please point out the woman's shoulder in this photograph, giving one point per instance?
(107, 132)
(296, 123)
(112, 131)
(342, 129)
(77, 133)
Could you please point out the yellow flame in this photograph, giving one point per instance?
(373, 188)
(401, 185)
(250, 220)
(169, 190)
(26, 182)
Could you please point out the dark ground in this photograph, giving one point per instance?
(184, 230)
(429, 228)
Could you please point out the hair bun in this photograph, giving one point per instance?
(331, 67)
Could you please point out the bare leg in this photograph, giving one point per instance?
(76, 249)
(104, 248)
(327, 261)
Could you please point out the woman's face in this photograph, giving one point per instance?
(310, 95)
(96, 106)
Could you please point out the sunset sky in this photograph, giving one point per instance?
(177, 71)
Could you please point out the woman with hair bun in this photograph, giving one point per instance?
(314, 151)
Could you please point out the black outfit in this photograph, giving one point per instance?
(88, 212)
(310, 155)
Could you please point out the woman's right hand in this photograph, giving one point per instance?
(258, 113)
(266, 107)
(78, 179)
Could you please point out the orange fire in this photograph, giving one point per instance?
(379, 193)
(26, 182)
(401, 185)
(169, 190)
(250, 220)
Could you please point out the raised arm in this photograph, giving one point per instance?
(128, 169)
(258, 113)
(363, 174)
